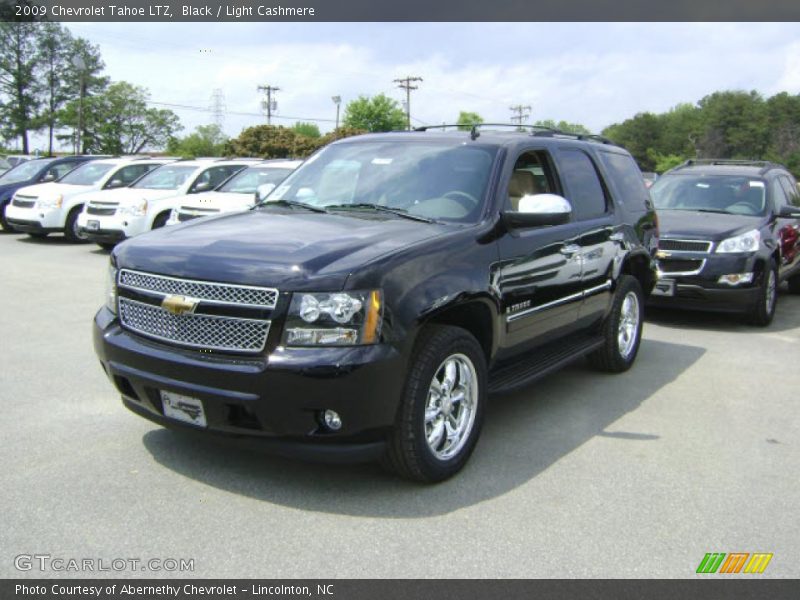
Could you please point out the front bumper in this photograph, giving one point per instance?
(702, 290)
(112, 228)
(272, 401)
(34, 220)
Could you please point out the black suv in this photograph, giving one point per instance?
(371, 303)
(729, 235)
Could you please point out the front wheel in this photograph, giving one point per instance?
(71, 230)
(763, 310)
(441, 411)
(621, 329)
(3, 221)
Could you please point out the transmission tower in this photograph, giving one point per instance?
(218, 108)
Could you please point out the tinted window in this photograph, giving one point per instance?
(531, 176)
(628, 180)
(127, 175)
(58, 171)
(24, 171)
(88, 173)
(584, 189)
(215, 175)
(166, 177)
(248, 180)
(790, 188)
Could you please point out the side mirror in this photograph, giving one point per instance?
(115, 183)
(48, 177)
(263, 191)
(203, 186)
(789, 212)
(537, 210)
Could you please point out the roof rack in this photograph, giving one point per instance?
(765, 165)
(536, 130)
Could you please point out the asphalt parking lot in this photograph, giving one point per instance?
(694, 450)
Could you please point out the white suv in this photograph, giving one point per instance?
(54, 207)
(237, 193)
(110, 217)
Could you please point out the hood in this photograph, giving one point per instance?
(223, 201)
(131, 194)
(50, 189)
(289, 250)
(690, 224)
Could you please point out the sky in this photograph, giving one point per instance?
(590, 73)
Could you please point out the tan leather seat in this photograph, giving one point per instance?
(522, 183)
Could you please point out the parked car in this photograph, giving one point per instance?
(368, 307)
(40, 170)
(649, 178)
(15, 159)
(729, 236)
(111, 217)
(46, 208)
(238, 192)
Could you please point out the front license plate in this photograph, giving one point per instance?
(664, 287)
(93, 225)
(183, 408)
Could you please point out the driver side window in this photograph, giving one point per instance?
(531, 175)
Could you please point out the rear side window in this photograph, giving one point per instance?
(628, 180)
(127, 175)
(58, 171)
(584, 189)
(790, 188)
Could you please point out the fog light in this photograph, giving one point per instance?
(736, 278)
(332, 420)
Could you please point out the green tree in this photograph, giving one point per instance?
(206, 140)
(378, 113)
(639, 135)
(735, 125)
(307, 129)
(18, 84)
(467, 119)
(118, 121)
(90, 79)
(54, 51)
(272, 141)
(564, 126)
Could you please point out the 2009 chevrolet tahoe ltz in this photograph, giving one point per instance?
(369, 306)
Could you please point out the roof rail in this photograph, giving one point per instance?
(765, 165)
(536, 130)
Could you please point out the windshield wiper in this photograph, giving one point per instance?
(292, 204)
(400, 212)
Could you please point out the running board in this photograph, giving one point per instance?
(540, 362)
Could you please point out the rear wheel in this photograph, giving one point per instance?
(763, 310)
(441, 411)
(71, 230)
(622, 328)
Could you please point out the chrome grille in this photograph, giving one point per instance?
(209, 332)
(684, 245)
(205, 291)
(101, 209)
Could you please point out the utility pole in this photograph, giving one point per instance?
(270, 104)
(337, 100)
(521, 114)
(217, 108)
(405, 84)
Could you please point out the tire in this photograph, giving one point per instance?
(160, 220)
(71, 231)
(621, 329)
(794, 284)
(3, 221)
(762, 312)
(415, 450)
(107, 246)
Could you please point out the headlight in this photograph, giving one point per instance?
(336, 319)
(49, 203)
(747, 242)
(111, 288)
(133, 209)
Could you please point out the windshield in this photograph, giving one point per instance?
(733, 194)
(247, 181)
(24, 171)
(168, 177)
(426, 179)
(87, 174)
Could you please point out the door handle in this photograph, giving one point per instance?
(570, 249)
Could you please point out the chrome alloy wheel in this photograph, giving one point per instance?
(628, 325)
(769, 296)
(451, 406)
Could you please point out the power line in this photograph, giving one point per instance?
(270, 104)
(405, 84)
(521, 114)
(205, 109)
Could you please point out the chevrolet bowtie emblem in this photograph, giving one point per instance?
(178, 305)
(663, 254)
